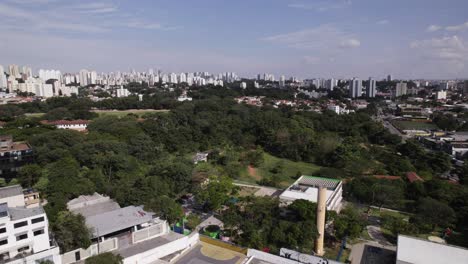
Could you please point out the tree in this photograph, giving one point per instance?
(71, 231)
(216, 193)
(435, 213)
(166, 207)
(58, 114)
(29, 175)
(384, 194)
(348, 223)
(105, 258)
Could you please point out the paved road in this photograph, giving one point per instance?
(376, 234)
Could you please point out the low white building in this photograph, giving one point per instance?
(131, 232)
(122, 92)
(411, 250)
(183, 98)
(78, 125)
(306, 188)
(24, 232)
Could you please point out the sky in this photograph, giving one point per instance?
(409, 39)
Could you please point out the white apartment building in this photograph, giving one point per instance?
(306, 188)
(122, 92)
(24, 232)
(355, 88)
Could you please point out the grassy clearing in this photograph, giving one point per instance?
(34, 114)
(287, 172)
(121, 113)
(407, 125)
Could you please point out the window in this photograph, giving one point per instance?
(77, 255)
(38, 232)
(21, 224)
(21, 237)
(3, 242)
(37, 220)
(23, 249)
(2, 230)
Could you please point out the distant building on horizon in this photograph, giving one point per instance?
(355, 88)
(371, 88)
(389, 78)
(401, 89)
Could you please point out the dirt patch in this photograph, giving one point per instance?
(253, 173)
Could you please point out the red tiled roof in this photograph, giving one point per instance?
(413, 177)
(387, 177)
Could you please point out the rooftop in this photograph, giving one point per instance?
(10, 191)
(416, 250)
(413, 177)
(312, 181)
(148, 244)
(66, 122)
(17, 213)
(117, 220)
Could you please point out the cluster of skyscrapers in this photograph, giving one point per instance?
(48, 83)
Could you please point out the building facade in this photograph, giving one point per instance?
(24, 232)
(13, 155)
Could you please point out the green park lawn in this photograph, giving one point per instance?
(288, 172)
(403, 125)
(121, 113)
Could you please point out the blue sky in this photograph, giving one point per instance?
(304, 38)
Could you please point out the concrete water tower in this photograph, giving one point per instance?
(321, 210)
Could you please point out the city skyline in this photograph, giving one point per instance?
(331, 38)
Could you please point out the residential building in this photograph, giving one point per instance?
(122, 92)
(389, 78)
(133, 233)
(243, 85)
(412, 250)
(13, 70)
(24, 232)
(3, 78)
(355, 88)
(443, 86)
(441, 95)
(330, 84)
(282, 81)
(286, 256)
(84, 77)
(13, 155)
(371, 88)
(77, 125)
(306, 187)
(401, 89)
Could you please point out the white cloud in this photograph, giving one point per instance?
(322, 6)
(450, 49)
(433, 28)
(383, 22)
(460, 27)
(350, 43)
(324, 37)
(84, 17)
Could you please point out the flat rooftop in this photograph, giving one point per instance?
(96, 209)
(10, 191)
(117, 220)
(17, 213)
(312, 181)
(144, 246)
(413, 250)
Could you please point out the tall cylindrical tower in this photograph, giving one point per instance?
(321, 210)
